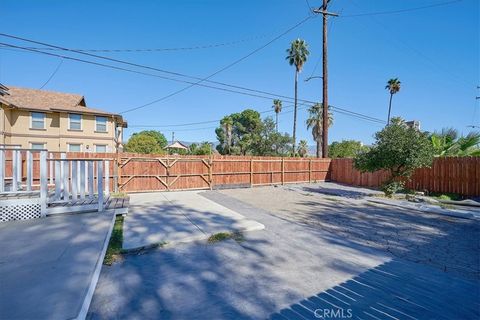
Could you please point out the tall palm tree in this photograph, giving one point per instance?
(297, 55)
(315, 122)
(277, 106)
(227, 125)
(393, 86)
(303, 148)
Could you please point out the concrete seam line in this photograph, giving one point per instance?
(184, 214)
(96, 274)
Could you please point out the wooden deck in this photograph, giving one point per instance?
(118, 205)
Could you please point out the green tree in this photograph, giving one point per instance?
(297, 56)
(142, 143)
(237, 132)
(398, 149)
(303, 148)
(393, 86)
(315, 122)
(245, 133)
(447, 143)
(157, 135)
(204, 148)
(277, 106)
(346, 149)
(269, 142)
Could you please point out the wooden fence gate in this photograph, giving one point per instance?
(151, 173)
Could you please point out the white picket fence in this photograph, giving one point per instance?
(65, 185)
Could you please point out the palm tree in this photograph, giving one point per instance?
(303, 148)
(314, 122)
(447, 143)
(297, 55)
(393, 86)
(277, 106)
(227, 125)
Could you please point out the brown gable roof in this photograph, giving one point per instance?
(42, 100)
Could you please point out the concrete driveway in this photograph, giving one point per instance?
(174, 217)
(49, 267)
(318, 255)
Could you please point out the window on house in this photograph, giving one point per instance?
(38, 120)
(75, 122)
(101, 124)
(74, 147)
(100, 148)
(37, 145)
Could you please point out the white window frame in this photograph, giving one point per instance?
(38, 143)
(75, 144)
(70, 121)
(32, 121)
(97, 123)
(101, 145)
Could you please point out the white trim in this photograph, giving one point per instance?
(70, 120)
(42, 143)
(75, 144)
(44, 119)
(96, 123)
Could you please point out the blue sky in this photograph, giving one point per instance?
(434, 52)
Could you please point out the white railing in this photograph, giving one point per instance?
(62, 185)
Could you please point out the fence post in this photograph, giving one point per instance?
(66, 178)
(14, 170)
(43, 183)
(63, 155)
(82, 179)
(51, 168)
(19, 168)
(29, 170)
(2, 170)
(210, 173)
(90, 180)
(100, 185)
(58, 180)
(251, 172)
(107, 178)
(74, 180)
(283, 170)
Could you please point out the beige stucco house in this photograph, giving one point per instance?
(57, 121)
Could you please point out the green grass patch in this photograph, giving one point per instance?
(221, 236)
(446, 196)
(118, 194)
(115, 244)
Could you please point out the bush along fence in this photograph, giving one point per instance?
(460, 175)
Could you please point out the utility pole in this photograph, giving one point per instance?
(325, 13)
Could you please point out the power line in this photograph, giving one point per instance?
(400, 10)
(191, 84)
(269, 97)
(53, 74)
(200, 80)
(208, 46)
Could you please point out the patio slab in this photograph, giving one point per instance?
(177, 217)
(49, 267)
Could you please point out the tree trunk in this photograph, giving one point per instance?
(276, 121)
(389, 108)
(295, 115)
(319, 148)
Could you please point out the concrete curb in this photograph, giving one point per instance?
(96, 275)
(426, 208)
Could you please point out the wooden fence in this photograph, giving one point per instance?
(459, 175)
(139, 173)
